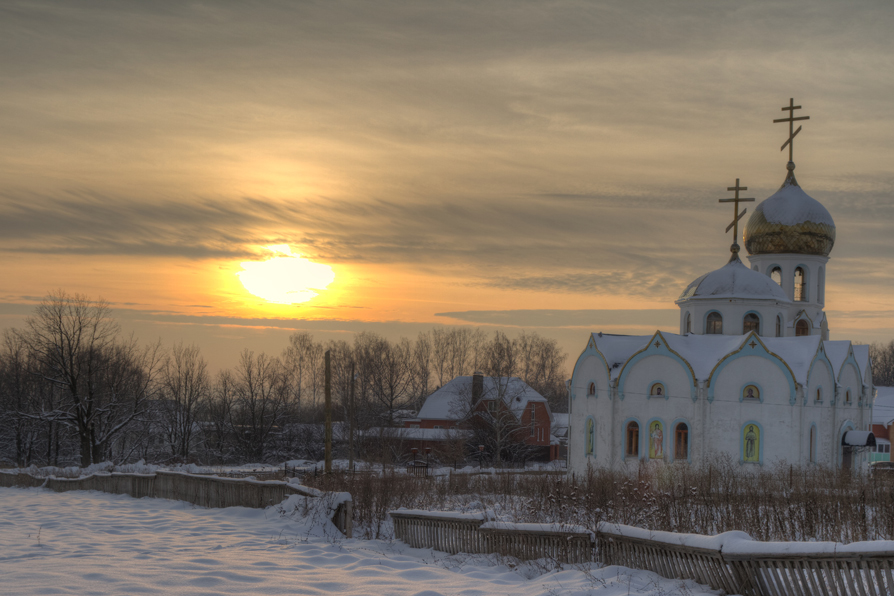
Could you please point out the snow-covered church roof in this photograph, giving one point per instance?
(734, 280)
(704, 352)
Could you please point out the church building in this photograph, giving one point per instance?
(752, 373)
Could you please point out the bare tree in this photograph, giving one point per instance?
(18, 397)
(185, 387)
(103, 384)
(260, 407)
(455, 351)
(882, 356)
(303, 362)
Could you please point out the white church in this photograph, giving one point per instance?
(752, 373)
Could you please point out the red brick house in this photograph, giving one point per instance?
(883, 423)
(502, 413)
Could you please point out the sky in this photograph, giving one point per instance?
(547, 166)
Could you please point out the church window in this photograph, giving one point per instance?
(776, 275)
(591, 390)
(800, 286)
(847, 396)
(751, 323)
(819, 394)
(681, 441)
(778, 325)
(715, 323)
(590, 446)
(813, 444)
(751, 392)
(688, 327)
(820, 287)
(632, 439)
(801, 328)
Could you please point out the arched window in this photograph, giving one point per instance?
(591, 390)
(847, 396)
(820, 285)
(800, 288)
(715, 324)
(632, 439)
(657, 390)
(813, 444)
(801, 328)
(778, 325)
(776, 275)
(681, 441)
(687, 328)
(750, 323)
(819, 394)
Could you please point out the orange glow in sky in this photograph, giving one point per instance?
(286, 278)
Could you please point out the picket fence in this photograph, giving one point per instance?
(204, 491)
(732, 563)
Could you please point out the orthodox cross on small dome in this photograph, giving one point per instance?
(736, 215)
(790, 108)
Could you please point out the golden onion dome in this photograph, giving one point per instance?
(790, 221)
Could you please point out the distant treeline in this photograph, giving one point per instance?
(74, 390)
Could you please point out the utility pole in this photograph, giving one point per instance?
(351, 422)
(328, 414)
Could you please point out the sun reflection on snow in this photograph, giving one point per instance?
(286, 278)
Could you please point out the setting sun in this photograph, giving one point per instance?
(286, 278)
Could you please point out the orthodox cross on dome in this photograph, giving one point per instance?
(736, 215)
(790, 108)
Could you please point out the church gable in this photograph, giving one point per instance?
(755, 352)
(657, 370)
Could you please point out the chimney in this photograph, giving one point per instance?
(477, 386)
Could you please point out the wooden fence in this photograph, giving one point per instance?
(730, 562)
(734, 563)
(469, 533)
(204, 491)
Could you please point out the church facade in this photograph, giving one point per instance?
(752, 373)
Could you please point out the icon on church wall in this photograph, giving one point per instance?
(591, 437)
(656, 440)
(751, 392)
(657, 390)
(751, 447)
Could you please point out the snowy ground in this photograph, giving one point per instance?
(89, 543)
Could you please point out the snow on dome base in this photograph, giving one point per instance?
(734, 280)
(790, 221)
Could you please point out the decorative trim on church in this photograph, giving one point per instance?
(751, 391)
(657, 347)
(755, 348)
(658, 390)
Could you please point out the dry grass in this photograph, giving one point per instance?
(782, 503)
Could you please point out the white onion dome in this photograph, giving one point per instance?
(790, 221)
(734, 280)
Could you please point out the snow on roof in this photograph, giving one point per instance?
(420, 434)
(703, 352)
(734, 280)
(790, 206)
(858, 438)
(837, 352)
(883, 407)
(617, 349)
(453, 400)
(861, 354)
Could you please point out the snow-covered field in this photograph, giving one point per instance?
(89, 543)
